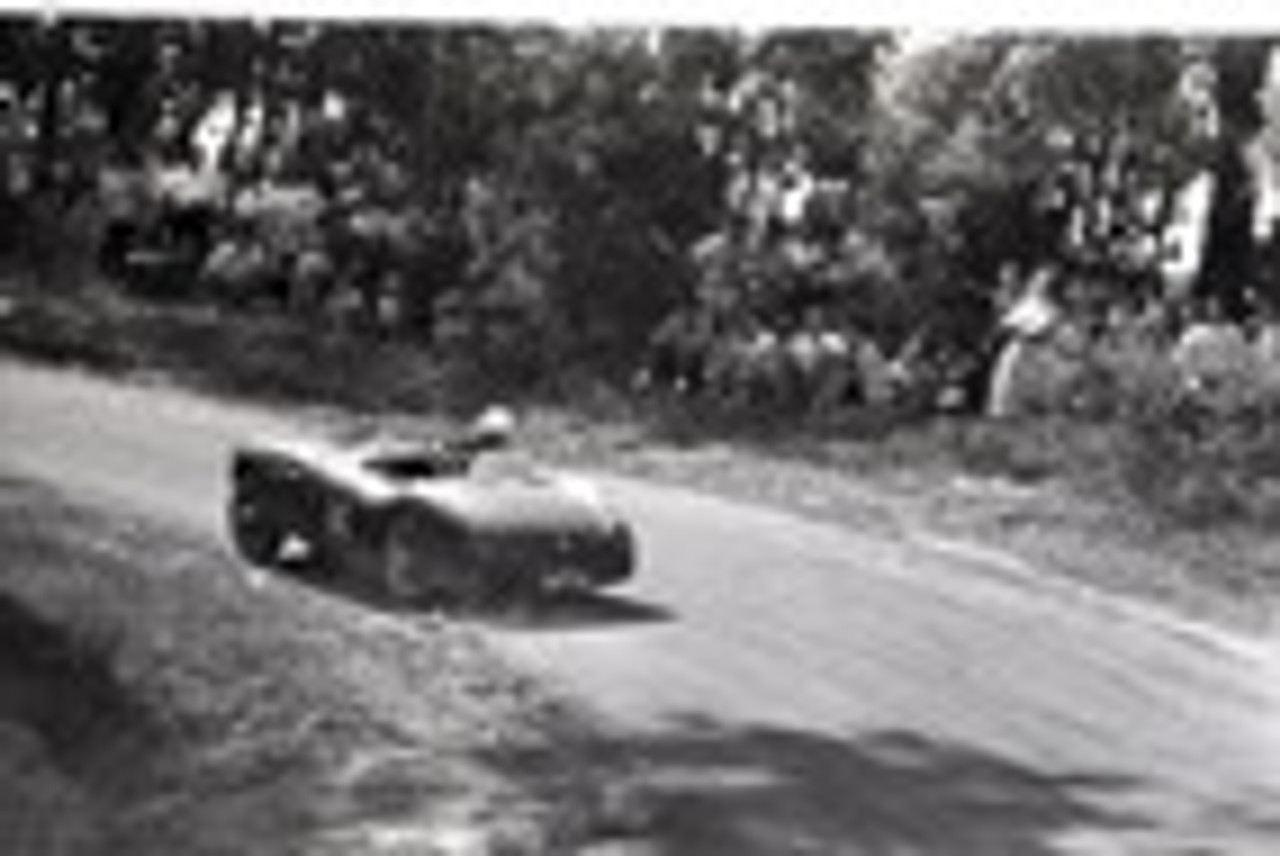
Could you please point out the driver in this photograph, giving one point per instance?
(492, 430)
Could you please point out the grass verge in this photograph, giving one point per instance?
(170, 704)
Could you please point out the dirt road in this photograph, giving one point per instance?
(792, 688)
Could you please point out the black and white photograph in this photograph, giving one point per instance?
(666, 433)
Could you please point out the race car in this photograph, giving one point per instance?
(426, 521)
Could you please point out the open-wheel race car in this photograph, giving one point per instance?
(425, 521)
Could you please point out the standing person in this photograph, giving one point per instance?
(836, 370)
(1024, 377)
(804, 356)
(677, 353)
(959, 358)
(881, 381)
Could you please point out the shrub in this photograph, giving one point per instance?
(1199, 464)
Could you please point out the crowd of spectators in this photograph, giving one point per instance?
(1051, 348)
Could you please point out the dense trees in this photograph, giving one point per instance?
(591, 183)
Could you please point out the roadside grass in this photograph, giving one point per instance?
(1153, 500)
(185, 708)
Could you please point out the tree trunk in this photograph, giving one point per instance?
(53, 71)
(1226, 279)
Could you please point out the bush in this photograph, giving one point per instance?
(1200, 465)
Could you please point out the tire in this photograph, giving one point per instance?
(256, 538)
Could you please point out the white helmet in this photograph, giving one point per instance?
(495, 426)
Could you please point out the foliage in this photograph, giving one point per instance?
(1033, 151)
(565, 192)
(1202, 467)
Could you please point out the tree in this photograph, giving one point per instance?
(1228, 271)
(1064, 151)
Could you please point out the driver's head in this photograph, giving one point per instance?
(494, 427)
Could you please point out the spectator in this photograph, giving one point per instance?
(313, 277)
(836, 371)
(237, 270)
(1039, 366)
(745, 366)
(804, 357)
(678, 353)
(878, 378)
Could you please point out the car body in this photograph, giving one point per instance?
(425, 521)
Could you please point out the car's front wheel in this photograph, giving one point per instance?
(256, 537)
